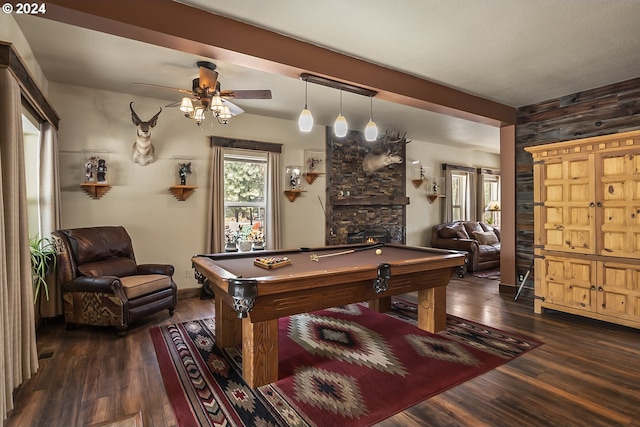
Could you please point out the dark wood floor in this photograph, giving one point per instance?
(586, 374)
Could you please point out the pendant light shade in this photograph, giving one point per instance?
(305, 121)
(340, 127)
(371, 130)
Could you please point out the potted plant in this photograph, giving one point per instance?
(43, 262)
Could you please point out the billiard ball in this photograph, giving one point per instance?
(378, 251)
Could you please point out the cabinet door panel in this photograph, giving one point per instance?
(619, 292)
(567, 211)
(568, 282)
(619, 192)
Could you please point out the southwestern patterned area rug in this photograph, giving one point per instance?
(346, 366)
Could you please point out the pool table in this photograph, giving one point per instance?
(250, 299)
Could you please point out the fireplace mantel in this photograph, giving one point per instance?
(370, 201)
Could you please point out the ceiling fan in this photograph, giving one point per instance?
(206, 94)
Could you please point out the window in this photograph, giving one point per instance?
(489, 196)
(459, 200)
(31, 138)
(460, 191)
(245, 201)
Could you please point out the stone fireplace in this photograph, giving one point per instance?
(359, 205)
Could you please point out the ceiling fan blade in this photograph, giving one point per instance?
(233, 108)
(165, 87)
(208, 76)
(246, 94)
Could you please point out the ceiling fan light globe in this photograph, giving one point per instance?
(340, 127)
(305, 121)
(186, 106)
(198, 115)
(371, 131)
(224, 113)
(216, 104)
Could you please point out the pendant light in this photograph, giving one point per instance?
(371, 130)
(340, 126)
(305, 121)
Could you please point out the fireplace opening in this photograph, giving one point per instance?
(370, 235)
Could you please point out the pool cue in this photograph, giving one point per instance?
(315, 257)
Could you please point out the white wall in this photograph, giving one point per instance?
(422, 215)
(162, 228)
(10, 32)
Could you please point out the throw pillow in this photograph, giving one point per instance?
(486, 237)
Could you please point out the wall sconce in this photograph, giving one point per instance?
(340, 126)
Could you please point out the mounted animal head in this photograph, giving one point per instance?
(386, 152)
(144, 128)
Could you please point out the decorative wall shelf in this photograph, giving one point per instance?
(182, 192)
(292, 195)
(432, 197)
(95, 190)
(310, 177)
(418, 182)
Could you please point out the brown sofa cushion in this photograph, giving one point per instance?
(109, 267)
(450, 233)
(486, 237)
(137, 286)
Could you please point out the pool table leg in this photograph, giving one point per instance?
(380, 305)
(432, 309)
(259, 352)
(228, 326)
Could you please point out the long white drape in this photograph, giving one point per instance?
(215, 215)
(49, 203)
(18, 357)
(274, 189)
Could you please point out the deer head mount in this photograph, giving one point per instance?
(143, 152)
(386, 151)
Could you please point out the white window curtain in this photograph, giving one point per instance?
(274, 189)
(18, 357)
(215, 224)
(49, 203)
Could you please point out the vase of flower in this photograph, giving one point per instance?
(257, 246)
(245, 246)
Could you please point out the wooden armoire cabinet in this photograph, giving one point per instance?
(587, 227)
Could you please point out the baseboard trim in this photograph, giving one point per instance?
(188, 293)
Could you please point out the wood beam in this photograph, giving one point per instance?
(177, 26)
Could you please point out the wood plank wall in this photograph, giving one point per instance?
(609, 109)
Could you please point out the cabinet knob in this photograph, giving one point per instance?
(599, 204)
(600, 289)
(591, 205)
(593, 287)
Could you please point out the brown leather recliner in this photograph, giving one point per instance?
(480, 240)
(101, 282)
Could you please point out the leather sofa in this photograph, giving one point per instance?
(101, 282)
(480, 240)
